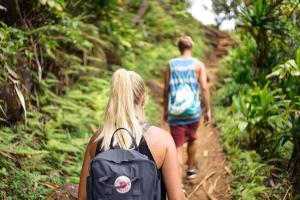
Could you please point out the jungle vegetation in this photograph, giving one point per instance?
(259, 94)
(56, 59)
(57, 56)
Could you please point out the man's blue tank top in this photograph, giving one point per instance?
(182, 71)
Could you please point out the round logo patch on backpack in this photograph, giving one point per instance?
(125, 184)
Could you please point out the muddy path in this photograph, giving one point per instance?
(212, 182)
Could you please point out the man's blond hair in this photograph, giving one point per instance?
(185, 43)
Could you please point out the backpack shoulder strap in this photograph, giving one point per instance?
(99, 147)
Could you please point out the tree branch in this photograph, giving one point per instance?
(142, 10)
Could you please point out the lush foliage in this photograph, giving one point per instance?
(261, 103)
(269, 22)
(254, 125)
(56, 59)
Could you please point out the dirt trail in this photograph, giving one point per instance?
(211, 156)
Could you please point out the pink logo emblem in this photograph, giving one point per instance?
(124, 183)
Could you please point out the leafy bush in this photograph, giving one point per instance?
(159, 30)
(263, 118)
(72, 118)
(254, 126)
(239, 61)
(269, 22)
(250, 172)
(250, 175)
(287, 79)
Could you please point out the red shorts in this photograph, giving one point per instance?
(183, 133)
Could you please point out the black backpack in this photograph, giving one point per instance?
(118, 174)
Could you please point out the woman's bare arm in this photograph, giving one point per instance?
(170, 171)
(90, 150)
(166, 90)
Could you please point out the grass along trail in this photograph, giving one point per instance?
(212, 182)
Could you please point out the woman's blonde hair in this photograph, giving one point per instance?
(123, 109)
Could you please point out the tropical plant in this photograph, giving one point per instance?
(268, 22)
(250, 172)
(288, 79)
(263, 118)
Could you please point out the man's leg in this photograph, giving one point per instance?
(180, 151)
(192, 152)
(178, 134)
(192, 149)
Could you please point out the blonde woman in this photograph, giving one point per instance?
(125, 109)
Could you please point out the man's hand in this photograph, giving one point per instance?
(207, 118)
(204, 92)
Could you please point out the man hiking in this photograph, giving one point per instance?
(184, 77)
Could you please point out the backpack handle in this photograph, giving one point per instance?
(113, 136)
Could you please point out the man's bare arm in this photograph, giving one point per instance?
(204, 92)
(166, 92)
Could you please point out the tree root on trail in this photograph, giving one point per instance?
(63, 192)
(209, 192)
(201, 183)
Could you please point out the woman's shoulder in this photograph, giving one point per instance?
(159, 135)
(158, 141)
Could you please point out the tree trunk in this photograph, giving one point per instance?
(142, 10)
(10, 16)
(11, 108)
(262, 50)
(296, 167)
